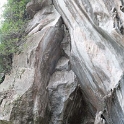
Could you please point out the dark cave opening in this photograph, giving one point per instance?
(77, 110)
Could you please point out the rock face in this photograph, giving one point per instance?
(97, 52)
(62, 84)
(71, 68)
(35, 5)
(24, 98)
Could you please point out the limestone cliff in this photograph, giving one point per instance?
(71, 67)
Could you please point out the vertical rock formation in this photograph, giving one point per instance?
(97, 52)
(71, 68)
(26, 97)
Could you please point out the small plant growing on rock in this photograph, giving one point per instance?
(12, 31)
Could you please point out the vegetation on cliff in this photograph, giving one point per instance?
(12, 31)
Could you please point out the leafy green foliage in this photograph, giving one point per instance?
(12, 30)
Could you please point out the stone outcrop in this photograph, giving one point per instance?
(62, 84)
(71, 67)
(23, 91)
(97, 52)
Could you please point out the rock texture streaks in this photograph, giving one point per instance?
(71, 68)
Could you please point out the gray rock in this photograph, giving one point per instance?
(66, 44)
(97, 53)
(99, 119)
(26, 101)
(43, 18)
(63, 64)
(35, 5)
(62, 84)
(66, 100)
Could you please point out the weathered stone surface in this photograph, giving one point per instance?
(23, 93)
(91, 44)
(66, 100)
(61, 86)
(35, 5)
(63, 64)
(99, 119)
(42, 19)
(97, 49)
(66, 44)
